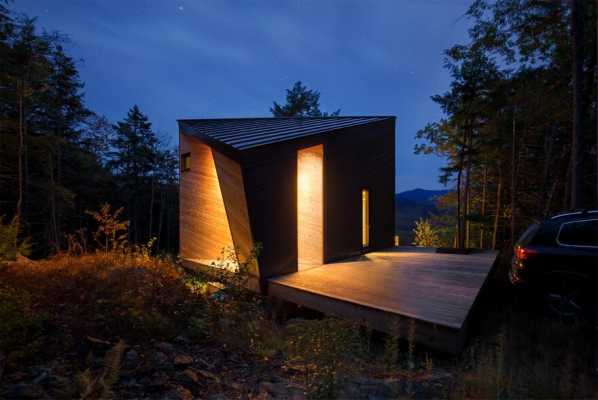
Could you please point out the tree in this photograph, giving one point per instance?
(301, 102)
(508, 116)
(425, 235)
(577, 39)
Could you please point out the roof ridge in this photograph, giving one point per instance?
(282, 118)
(238, 134)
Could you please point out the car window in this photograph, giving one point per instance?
(579, 233)
(529, 234)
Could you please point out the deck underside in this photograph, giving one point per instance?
(436, 291)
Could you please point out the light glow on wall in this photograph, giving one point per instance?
(310, 207)
(365, 218)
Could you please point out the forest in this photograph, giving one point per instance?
(59, 159)
(519, 131)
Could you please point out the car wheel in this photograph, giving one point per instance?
(564, 296)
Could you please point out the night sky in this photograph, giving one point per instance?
(201, 59)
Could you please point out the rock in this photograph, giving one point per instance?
(165, 347)
(208, 374)
(97, 343)
(182, 339)
(183, 394)
(183, 360)
(25, 391)
(131, 358)
(159, 379)
(188, 377)
(369, 388)
(160, 358)
(280, 390)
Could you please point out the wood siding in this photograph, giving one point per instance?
(230, 178)
(204, 228)
(355, 158)
(360, 158)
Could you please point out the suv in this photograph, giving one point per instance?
(559, 258)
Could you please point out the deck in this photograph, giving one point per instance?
(437, 291)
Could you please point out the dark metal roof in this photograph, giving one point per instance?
(247, 133)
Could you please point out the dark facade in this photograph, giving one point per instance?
(355, 157)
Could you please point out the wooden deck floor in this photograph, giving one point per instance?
(438, 291)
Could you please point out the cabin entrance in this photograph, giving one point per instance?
(310, 207)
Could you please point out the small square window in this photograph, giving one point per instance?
(185, 162)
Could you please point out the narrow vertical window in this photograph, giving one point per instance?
(185, 162)
(365, 218)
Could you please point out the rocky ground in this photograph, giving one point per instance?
(182, 370)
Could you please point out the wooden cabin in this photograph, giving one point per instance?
(308, 190)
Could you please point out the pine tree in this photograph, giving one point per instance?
(301, 102)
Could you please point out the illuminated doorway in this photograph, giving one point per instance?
(310, 207)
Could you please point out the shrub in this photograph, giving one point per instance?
(108, 295)
(10, 245)
(328, 350)
(425, 235)
(20, 326)
(112, 232)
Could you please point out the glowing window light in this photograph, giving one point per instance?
(310, 209)
(365, 218)
(185, 162)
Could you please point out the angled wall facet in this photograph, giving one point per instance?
(232, 188)
(204, 227)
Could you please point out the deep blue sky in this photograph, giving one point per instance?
(198, 58)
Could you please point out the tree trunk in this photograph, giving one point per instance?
(577, 40)
(54, 228)
(496, 216)
(460, 230)
(161, 217)
(151, 209)
(513, 176)
(459, 226)
(20, 154)
(467, 190)
(483, 206)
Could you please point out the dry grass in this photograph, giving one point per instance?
(100, 295)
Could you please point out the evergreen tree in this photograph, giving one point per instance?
(507, 130)
(301, 102)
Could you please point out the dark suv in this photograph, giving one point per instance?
(558, 257)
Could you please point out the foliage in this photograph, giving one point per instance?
(107, 295)
(301, 102)
(392, 346)
(21, 326)
(100, 387)
(506, 130)
(425, 234)
(111, 232)
(57, 157)
(235, 315)
(327, 350)
(10, 243)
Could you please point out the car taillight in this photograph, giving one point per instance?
(521, 253)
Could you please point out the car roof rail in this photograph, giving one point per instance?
(575, 212)
(566, 213)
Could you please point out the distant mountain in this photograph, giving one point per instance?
(421, 196)
(411, 206)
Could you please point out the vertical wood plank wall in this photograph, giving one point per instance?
(233, 193)
(310, 207)
(354, 158)
(362, 157)
(204, 228)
